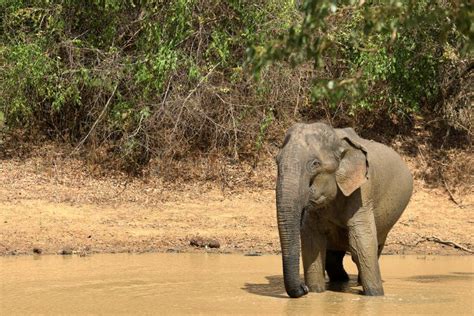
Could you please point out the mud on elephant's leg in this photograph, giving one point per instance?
(313, 249)
(334, 266)
(364, 249)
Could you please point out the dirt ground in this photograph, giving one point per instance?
(51, 206)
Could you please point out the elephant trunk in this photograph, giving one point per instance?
(289, 218)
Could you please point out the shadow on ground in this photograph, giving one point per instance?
(430, 278)
(276, 288)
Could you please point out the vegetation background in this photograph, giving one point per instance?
(142, 85)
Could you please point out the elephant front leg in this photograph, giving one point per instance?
(364, 249)
(313, 248)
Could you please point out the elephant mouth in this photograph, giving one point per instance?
(319, 202)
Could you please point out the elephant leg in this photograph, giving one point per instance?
(313, 249)
(381, 245)
(354, 259)
(379, 252)
(364, 249)
(334, 266)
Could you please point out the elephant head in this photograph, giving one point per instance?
(315, 164)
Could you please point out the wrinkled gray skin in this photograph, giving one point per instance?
(337, 192)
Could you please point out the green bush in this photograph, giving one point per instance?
(137, 79)
(377, 57)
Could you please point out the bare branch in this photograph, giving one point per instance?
(183, 105)
(448, 243)
(97, 121)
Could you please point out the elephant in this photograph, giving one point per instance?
(336, 192)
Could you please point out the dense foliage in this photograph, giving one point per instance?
(393, 57)
(139, 79)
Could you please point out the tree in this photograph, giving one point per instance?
(392, 57)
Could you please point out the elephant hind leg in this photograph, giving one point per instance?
(379, 250)
(381, 244)
(334, 266)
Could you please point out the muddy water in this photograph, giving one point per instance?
(222, 284)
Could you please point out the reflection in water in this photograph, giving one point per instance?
(274, 287)
(222, 284)
(352, 286)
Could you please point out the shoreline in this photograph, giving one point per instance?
(243, 223)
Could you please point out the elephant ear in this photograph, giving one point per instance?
(353, 165)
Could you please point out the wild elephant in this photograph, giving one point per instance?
(336, 192)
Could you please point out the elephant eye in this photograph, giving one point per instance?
(313, 164)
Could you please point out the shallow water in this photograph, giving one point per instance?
(222, 284)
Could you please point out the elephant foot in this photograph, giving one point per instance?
(317, 288)
(374, 292)
(298, 292)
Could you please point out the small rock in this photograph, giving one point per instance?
(37, 250)
(66, 251)
(204, 242)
